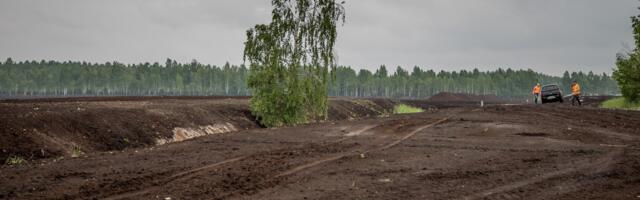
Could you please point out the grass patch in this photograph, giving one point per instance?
(403, 109)
(620, 103)
(15, 160)
(76, 152)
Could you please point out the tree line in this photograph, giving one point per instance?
(419, 83)
(53, 78)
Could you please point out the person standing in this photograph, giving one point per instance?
(575, 93)
(536, 92)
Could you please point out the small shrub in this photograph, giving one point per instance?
(76, 152)
(292, 61)
(403, 109)
(15, 160)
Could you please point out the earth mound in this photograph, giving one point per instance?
(53, 127)
(460, 97)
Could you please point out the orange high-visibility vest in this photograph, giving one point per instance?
(536, 89)
(575, 89)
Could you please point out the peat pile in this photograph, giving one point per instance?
(459, 97)
(448, 100)
(34, 129)
(347, 109)
(49, 128)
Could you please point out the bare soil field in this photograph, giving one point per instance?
(456, 97)
(54, 127)
(552, 151)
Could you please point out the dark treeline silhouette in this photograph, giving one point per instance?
(53, 78)
(46, 78)
(510, 84)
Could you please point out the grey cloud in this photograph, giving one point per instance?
(549, 36)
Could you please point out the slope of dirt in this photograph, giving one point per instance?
(459, 97)
(452, 100)
(44, 128)
(53, 127)
(497, 152)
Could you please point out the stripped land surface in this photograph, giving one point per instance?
(466, 152)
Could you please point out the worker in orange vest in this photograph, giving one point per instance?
(575, 93)
(536, 92)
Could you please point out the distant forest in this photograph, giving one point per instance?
(53, 78)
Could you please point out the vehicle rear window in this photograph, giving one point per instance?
(550, 87)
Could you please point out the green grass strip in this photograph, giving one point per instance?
(620, 103)
(404, 109)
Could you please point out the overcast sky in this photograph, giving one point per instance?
(545, 35)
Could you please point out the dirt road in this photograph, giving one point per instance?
(496, 152)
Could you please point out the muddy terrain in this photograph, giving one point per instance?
(55, 127)
(498, 151)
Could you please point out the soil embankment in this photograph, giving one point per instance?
(54, 127)
(458, 97)
(451, 100)
(57, 127)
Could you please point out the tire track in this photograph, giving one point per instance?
(598, 165)
(352, 134)
(412, 133)
(355, 152)
(190, 173)
(184, 174)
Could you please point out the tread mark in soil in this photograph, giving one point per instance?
(412, 133)
(193, 171)
(314, 163)
(598, 165)
(184, 174)
(189, 173)
(352, 153)
(360, 131)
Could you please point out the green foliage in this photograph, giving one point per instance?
(628, 72)
(76, 152)
(53, 78)
(403, 109)
(15, 160)
(509, 84)
(92, 79)
(621, 103)
(628, 76)
(290, 61)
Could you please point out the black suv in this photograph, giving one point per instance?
(551, 93)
